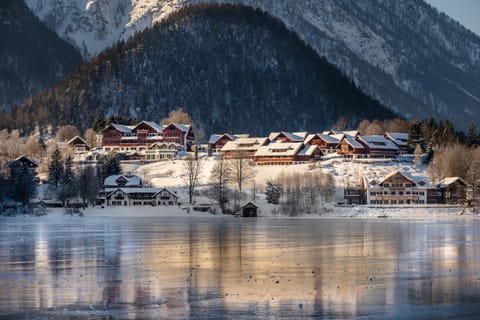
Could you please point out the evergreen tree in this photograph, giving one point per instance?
(472, 138)
(418, 155)
(273, 192)
(99, 123)
(415, 135)
(67, 187)
(55, 168)
(113, 165)
(101, 169)
(23, 184)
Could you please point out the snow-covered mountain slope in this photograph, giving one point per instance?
(404, 53)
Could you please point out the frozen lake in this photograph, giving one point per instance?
(196, 268)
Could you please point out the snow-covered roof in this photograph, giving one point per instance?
(324, 137)
(353, 143)
(122, 128)
(445, 182)
(75, 138)
(294, 137)
(393, 173)
(131, 180)
(154, 191)
(154, 125)
(182, 127)
(215, 137)
(378, 142)
(400, 139)
(351, 133)
(307, 150)
(245, 144)
(24, 159)
(279, 149)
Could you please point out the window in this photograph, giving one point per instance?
(408, 185)
(386, 185)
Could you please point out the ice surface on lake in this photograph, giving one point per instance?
(238, 268)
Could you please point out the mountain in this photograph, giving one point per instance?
(405, 54)
(233, 68)
(32, 56)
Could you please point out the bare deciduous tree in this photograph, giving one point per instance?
(241, 168)
(220, 175)
(65, 133)
(191, 172)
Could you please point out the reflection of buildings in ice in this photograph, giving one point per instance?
(180, 268)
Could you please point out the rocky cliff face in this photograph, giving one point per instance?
(403, 53)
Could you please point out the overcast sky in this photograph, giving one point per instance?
(466, 12)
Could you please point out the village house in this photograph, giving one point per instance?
(398, 188)
(24, 161)
(143, 136)
(400, 140)
(286, 153)
(162, 151)
(326, 143)
(350, 148)
(140, 197)
(395, 189)
(77, 145)
(128, 190)
(453, 190)
(378, 146)
(217, 141)
(243, 147)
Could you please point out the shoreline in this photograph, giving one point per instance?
(355, 212)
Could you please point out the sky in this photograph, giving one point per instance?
(467, 12)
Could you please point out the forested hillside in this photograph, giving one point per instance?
(233, 68)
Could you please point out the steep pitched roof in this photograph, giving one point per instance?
(393, 173)
(353, 143)
(445, 182)
(24, 159)
(131, 180)
(181, 127)
(215, 137)
(293, 137)
(77, 138)
(400, 139)
(155, 126)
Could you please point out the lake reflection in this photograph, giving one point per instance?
(238, 268)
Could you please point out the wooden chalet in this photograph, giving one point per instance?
(395, 189)
(78, 145)
(217, 141)
(140, 197)
(243, 147)
(286, 153)
(400, 140)
(24, 162)
(350, 148)
(147, 132)
(141, 137)
(179, 133)
(453, 190)
(162, 151)
(326, 143)
(249, 210)
(378, 146)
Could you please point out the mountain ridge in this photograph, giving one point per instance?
(406, 54)
(233, 68)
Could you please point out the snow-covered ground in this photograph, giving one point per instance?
(346, 173)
